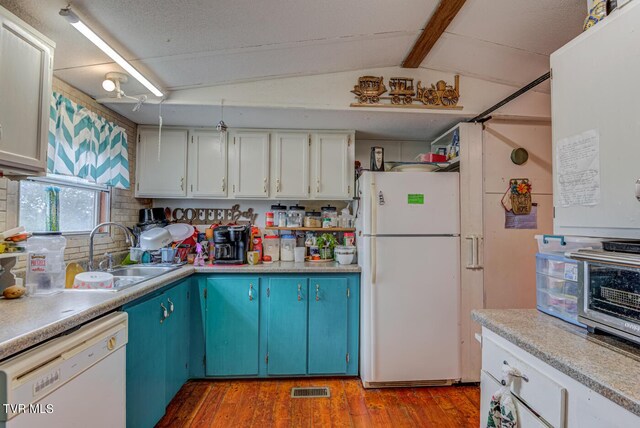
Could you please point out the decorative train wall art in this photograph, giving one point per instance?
(402, 93)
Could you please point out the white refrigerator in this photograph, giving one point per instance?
(409, 250)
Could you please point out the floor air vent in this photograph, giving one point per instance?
(310, 392)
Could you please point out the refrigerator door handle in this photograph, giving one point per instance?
(474, 241)
(374, 223)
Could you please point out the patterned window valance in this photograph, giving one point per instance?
(83, 144)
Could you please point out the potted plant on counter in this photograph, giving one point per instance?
(326, 244)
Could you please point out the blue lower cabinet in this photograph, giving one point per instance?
(177, 332)
(232, 326)
(146, 363)
(287, 326)
(328, 326)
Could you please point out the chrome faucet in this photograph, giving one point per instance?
(128, 236)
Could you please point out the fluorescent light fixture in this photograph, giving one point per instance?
(75, 21)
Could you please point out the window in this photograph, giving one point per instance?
(83, 204)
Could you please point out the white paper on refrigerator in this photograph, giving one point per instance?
(578, 169)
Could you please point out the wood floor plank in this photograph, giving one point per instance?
(207, 412)
(357, 404)
(268, 403)
(434, 415)
(339, 406)
(263, 416)
(376, 408)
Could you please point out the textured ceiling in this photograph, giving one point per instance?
(196, 43)
(192, 43)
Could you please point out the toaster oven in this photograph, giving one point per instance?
(609, 292)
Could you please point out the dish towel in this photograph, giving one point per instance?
(502, 409)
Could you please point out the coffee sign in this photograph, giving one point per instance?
(214, 215)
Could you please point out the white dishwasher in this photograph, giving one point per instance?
(76, 380)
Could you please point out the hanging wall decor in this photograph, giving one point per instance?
(520, 195)
(402, 93)
(231, 215)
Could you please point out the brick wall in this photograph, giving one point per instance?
(124, 206)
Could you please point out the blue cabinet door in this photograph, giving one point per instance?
(287, 326)
(232, 330)
(328, 316)
(177, 332)
(146, 363)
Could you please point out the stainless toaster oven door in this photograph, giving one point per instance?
(612, 296)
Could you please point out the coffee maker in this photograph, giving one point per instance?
(231, 244)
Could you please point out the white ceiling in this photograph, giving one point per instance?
(196, 43)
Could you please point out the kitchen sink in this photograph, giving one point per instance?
(141, 271)
(128, 276)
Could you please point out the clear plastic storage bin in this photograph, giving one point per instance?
(559, 244)
(557, 287)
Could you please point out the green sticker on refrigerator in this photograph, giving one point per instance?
(415, 199)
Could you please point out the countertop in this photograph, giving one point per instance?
(27, 321)
(282, 267)
(609, 372)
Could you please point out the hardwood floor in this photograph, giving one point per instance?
(267, 403)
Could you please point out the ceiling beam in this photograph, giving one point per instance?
(440, 20)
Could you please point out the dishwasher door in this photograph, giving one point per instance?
(77, 380)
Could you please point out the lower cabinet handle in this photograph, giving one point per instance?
(165, 314)
(250, 292)
(170, 306)
(317, 292)
(299, 292)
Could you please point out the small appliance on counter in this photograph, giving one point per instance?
(231, 244)
(609, 296)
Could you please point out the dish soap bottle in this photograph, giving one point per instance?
(199, 260)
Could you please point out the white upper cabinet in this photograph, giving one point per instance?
(332, 172)
(207, 165)
(250, 164)
(163, 175)
(290, 165)
(26, 59)
(588, 203)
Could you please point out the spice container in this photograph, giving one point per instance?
(271, 245)
(312, 219)
(287, 248)
(329, 217)
(295, 216)
(349, 239)
(279, 215)
(269, 219)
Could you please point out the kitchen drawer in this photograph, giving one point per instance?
(540, 393)
(488, 386)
